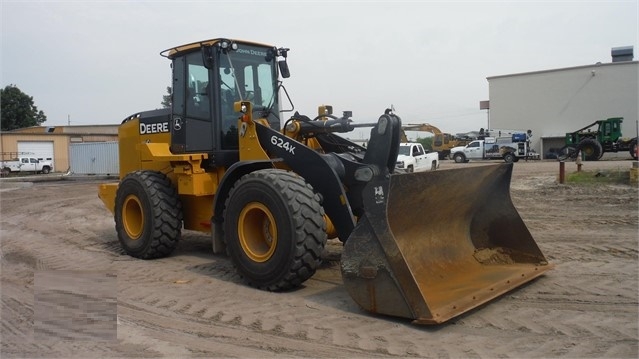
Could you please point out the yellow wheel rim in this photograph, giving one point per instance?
(257, 232)
(132, 216)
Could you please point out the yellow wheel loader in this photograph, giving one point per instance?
(220, 161)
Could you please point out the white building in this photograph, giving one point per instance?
(553, 102)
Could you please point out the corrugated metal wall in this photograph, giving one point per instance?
(98, 158)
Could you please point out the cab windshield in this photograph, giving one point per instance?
(246, 75)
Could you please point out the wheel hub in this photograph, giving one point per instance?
(132, 217)
(257, 232)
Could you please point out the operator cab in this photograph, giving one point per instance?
(208, 77)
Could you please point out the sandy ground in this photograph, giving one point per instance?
(67, 289)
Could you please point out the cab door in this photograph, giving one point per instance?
(419, 155)
(191, 125)
(28, 164)
(474, 150)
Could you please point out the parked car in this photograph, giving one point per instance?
(25, 164)
(414, 158)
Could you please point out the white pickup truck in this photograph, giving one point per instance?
(25, 164)
(413, 158)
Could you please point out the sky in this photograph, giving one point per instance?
(97, 62)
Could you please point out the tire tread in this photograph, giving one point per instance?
(309, 227)
(166, 213)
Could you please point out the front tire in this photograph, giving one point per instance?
(274, 229)
(148, 215)
(459, 158)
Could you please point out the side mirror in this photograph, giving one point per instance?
(284, 68)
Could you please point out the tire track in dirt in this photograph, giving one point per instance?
(17, 314)
(307, 325)
(295, 319)
(591, 296)
(193, 303)
(525, 330)
(223, 339)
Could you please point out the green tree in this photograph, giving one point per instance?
(167, 99)
(18, 110)
(427, 142)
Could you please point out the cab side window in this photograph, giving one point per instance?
(607, 129)
(198, 97)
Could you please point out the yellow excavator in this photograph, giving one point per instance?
(271, 192)
(442, 142)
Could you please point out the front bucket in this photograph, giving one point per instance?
(433, 245)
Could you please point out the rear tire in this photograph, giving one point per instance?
(509, 158)
(633, 149)
(46, 170)
(274, 229)
(591, 149)
(5, 172)
(148, 215)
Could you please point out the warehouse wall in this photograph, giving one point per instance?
(60, 136)
(551, 103)
(9, 145)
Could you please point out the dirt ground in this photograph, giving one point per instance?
(60, 255)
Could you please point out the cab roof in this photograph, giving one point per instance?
(179, 50)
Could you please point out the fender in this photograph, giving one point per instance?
(316, 170)
(330, 174)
